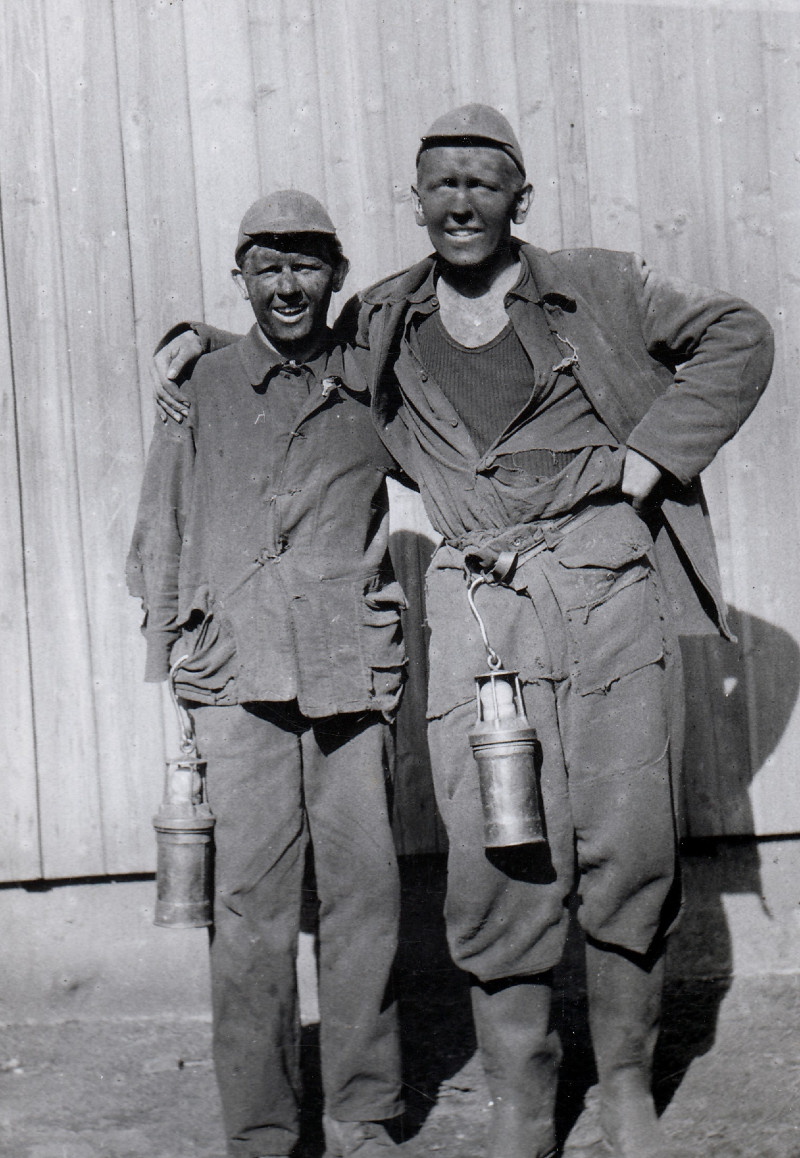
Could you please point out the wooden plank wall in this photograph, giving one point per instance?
(134, 135)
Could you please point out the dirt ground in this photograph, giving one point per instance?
(727, 1069)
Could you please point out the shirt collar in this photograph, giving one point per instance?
(529, 287)
(425, 293)
(525, 285)
(262, 361)
(542, 281)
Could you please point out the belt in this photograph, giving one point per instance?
(500, 557)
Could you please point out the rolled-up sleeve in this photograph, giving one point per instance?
(722, 350)
(154, 558)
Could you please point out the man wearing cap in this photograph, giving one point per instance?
(556, 411)
(260, 554)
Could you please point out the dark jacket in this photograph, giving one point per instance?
(672, 369)
(264, 547)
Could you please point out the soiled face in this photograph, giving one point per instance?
(467, 197)
(289, 283)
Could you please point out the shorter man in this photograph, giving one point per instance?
(261, 543)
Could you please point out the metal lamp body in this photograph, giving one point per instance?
(184, 827)
(504, 746)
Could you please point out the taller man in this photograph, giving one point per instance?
(556, 411)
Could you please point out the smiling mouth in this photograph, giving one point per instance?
(462, 233)
(289, 313)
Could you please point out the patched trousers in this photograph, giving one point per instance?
(584, 621)
(275, 781)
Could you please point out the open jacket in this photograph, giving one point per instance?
(672, 369)
(277, 584)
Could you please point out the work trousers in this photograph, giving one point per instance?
(588, 614)
(275, 781)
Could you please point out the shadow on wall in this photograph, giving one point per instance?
(739, 700)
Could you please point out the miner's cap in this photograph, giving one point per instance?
(286, 211)
(474, 125)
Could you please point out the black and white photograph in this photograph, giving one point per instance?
(400, 588)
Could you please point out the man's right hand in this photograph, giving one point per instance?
(169, 363)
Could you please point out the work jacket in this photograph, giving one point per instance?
(264, 548)
(672, 369)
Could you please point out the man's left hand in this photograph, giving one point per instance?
(639, 477)
(169, 363)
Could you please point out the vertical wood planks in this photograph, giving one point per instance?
(304, 112)
(55, 577)
(568, 87)
(776, 790)
(614, 191)
(222, 109)
(106, 416)
(134, 135)
(538, 128)
(155, 131)
(20, 851)
(167, 286)
(413, 97)
(398, 42)
(761, 476)
(368, 123)
(667, 141)
(285, 48)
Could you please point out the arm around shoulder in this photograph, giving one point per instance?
(174, 357)
(209, 337)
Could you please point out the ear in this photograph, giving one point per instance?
(240, 283)
(522, 204)
(340, 273)
(419, 212)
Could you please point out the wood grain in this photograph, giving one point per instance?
(134, 135)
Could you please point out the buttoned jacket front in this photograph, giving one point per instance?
(672, 369)
(278, 583)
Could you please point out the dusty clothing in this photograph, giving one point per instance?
(583, 621)
(561, 416)
(591, 606)
(671, 369)
(323, 783)
(262, 537)
(261, 543)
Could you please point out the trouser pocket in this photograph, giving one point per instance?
(606, 586)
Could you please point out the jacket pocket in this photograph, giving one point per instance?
(382, 644)
(208, 642)
(608, 592)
